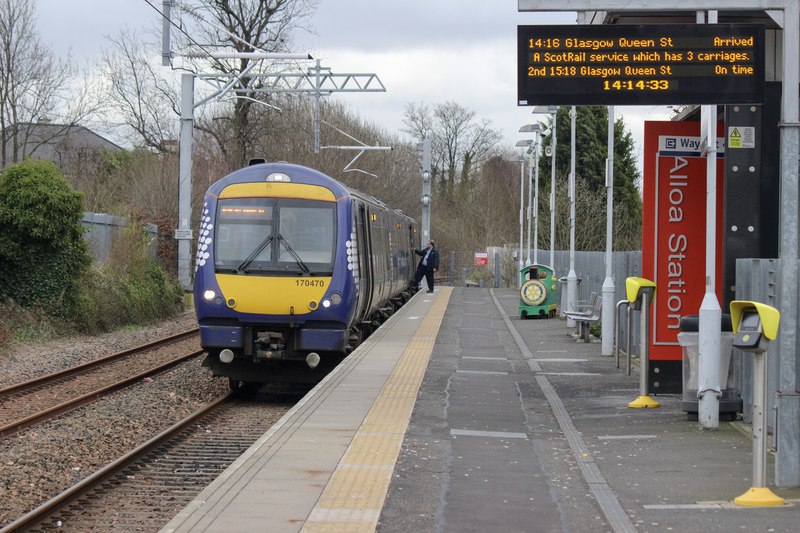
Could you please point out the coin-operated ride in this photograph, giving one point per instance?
(537, 293)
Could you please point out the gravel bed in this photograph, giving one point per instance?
(34, 360)
(41, 461)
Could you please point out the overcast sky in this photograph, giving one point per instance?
(428, 51)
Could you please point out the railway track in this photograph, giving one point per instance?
(36, 400)
(145, 488)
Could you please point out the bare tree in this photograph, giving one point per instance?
(34, 85)
(147, 102)
(460, 144)
(242, 26)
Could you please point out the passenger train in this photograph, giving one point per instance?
(293, 270)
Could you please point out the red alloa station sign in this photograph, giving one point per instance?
(674, 238)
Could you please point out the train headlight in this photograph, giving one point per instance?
(209, 295)
(279, 176)
(336, 298)
(326, 303)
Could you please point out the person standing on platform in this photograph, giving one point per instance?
(427, 265)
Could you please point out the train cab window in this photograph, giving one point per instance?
(274, 236)
(306, 233)
(243, 227)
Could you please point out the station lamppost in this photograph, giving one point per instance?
(609, 289)
(572, 278)
(533, 191)
(553, 111)
(522, 144)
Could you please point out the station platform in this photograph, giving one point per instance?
(458, 416)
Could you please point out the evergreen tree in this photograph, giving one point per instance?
(41, 238)
(591, 140)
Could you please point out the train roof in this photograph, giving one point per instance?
(298, 174)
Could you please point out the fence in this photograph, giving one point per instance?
(102, 230)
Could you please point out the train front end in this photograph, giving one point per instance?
(274, 296)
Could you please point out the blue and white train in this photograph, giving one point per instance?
(293, 270)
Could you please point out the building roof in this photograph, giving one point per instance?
(56, 142)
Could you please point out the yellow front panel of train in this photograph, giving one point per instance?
(272, 295)
(278, 190)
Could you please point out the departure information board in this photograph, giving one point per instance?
(640, 64)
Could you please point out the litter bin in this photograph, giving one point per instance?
(689, 339)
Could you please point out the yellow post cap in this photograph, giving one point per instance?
(634, 285)
(770, 317)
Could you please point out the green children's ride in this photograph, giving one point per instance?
(537, 293)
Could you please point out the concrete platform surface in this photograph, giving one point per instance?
(458, 416)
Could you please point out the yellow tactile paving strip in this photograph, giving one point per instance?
(354, 496)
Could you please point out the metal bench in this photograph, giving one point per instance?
(588, 316)
(586, 305)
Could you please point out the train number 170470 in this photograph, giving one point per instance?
(310, 282)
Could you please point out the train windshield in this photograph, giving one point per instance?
(275, 236)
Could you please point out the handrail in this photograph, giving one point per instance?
(627, 306)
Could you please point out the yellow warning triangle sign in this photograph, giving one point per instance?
(735, 133)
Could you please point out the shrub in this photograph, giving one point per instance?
(29, 324)
(41, 238)
(131, 288)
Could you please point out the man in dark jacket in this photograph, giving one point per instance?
(427, 265)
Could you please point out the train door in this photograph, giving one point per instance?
(364, 262)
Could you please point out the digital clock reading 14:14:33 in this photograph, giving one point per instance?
(640, 85)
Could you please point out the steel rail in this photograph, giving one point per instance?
(17, 425)
(97, 362)
(42, 511)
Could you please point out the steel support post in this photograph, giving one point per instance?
(787, 458)
(553, 140)
(166, 47)
(185, 182)
(521, 217)
(536, 203)
(708, 386)
(426, 192)
(709, 329)
(528, 261)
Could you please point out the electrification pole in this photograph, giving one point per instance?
(426, 192)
